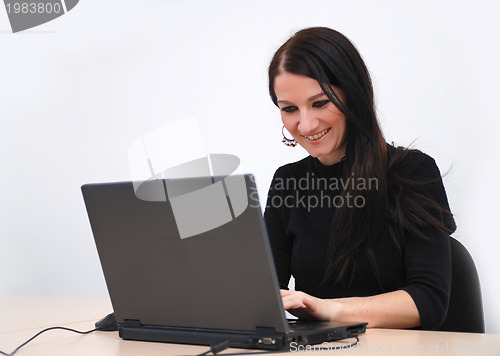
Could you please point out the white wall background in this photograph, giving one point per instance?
(75, 93)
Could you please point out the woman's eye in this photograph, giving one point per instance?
(319, 104)
(289, 108)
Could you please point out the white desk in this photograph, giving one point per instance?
(23, 316)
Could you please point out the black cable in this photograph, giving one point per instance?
(338, 347)
(216, 348)
(41, 332)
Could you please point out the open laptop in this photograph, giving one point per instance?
(173, 277)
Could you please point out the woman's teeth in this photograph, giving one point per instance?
(318, 135)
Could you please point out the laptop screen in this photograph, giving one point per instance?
(220, 278)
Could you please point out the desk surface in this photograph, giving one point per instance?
(22, 316)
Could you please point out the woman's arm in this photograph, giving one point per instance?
(389, 310)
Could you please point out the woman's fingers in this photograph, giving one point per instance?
(292, 300)
(304, 306)
(285, 292)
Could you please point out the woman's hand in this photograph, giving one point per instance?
(305, 306)
(395, 310)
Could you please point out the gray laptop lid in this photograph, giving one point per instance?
(223, 278)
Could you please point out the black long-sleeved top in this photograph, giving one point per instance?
(299, 212)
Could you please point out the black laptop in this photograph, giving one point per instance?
(207, 285)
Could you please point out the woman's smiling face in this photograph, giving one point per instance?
(310, 117)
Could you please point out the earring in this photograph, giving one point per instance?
(286, 141)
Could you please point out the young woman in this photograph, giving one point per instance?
(362, 226)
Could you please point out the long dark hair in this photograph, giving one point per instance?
(329, 57)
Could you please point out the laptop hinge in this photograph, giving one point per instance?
(132, 323)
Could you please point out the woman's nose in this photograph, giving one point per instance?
(308, 123)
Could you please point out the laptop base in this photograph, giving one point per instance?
(263, 338)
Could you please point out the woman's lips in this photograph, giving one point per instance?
(318, 136)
